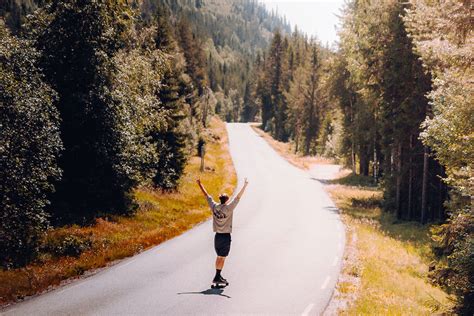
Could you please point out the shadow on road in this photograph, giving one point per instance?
(353, 180)
(218, 292)
(332, 209)
(322, 180)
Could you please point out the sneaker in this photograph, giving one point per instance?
(224, 281)
(218, 280)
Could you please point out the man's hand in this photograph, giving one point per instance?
(202, 187)
(246, 182)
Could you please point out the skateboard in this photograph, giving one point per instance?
(218, 286)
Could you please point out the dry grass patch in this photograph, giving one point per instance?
(392, 258)
(287, 151)
(161, 216)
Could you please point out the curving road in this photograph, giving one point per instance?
(286, 252)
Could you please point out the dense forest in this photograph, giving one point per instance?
(99, 97)
(394, 102)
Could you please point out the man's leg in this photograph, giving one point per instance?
(220, 262)
(222, 246)
(219, 265)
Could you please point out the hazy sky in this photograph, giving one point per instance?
(314, 17)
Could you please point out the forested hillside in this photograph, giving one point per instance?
(394, 102)
(99, 98)
(228, 36)
(102, 97)
(14, 12)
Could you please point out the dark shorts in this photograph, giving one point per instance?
(222, 244)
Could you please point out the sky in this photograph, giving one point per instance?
(314, 17)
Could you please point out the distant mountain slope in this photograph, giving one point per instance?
(243, 25)
(232, 34)
(14, 11)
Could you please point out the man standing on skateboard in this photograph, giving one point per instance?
(222, 225)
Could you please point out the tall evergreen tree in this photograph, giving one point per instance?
(78, 46)
(172, 141)
(275, 76)
(192, 50)
(343, 94)
(29, 147)
(403, 87)
(249, 107)
(270, 88)
(443, 36)
(388, 107)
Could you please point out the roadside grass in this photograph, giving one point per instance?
(385, 266)
(71, 251)
(392, 258)
(287, 150)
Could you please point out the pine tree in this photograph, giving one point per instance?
(443, 36)
(263, 93)
(342, 92)
(30, 145)
(249, 107)
(164, 35)
(275, 74)
(296, 98)
(312, 105)
(279, 86)
(171, 142)
(195, 60)
(404, 107)
(78, 48)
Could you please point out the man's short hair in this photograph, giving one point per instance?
(223, 198)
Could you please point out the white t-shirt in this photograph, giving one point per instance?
(222, 215)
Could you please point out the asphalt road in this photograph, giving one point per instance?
(285, 257)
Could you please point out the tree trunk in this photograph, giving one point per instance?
(410, 180)
(310, 127)
(392, 160)
(424, 189)
(353, 157)
(399, 181)
(307, 143)
(204, 111)
(364, 162)
(353, 154)
(442, 197)
(202, 152)
(297, 140)
(375, 161)
(312, 124)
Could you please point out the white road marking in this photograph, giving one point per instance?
(325, 284)
(334, 263)
(307, 309)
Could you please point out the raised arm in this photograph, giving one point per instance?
(202, 188)
(239, 195)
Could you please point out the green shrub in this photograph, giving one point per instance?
(66, 245)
